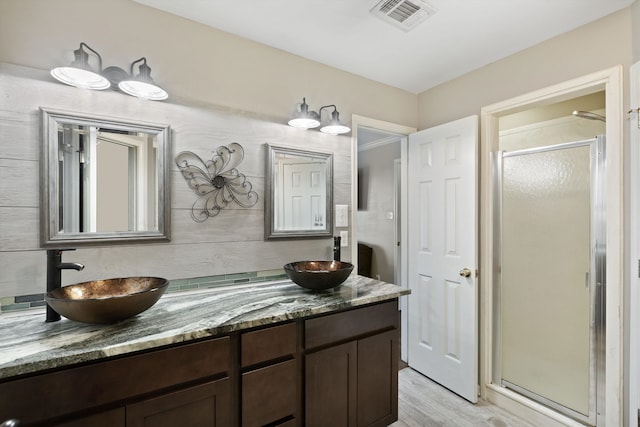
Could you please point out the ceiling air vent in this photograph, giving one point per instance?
(403, 14)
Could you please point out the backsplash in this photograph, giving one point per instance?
(231, 242)
(25, 302)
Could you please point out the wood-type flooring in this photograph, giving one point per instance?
(424, 403)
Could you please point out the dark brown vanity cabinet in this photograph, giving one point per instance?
(337, 369)
(187, 382)
(351, 367)
(270, 376)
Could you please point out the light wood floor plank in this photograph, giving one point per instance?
(424, 403)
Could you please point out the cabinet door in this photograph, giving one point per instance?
(204, 405)
(331, 378)
(378, 358)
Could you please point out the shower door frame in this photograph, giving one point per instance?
(596, 279)
(610, 81)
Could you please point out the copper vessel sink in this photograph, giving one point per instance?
(107, 301)
(318, 275)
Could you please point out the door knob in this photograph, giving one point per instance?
(465, 272)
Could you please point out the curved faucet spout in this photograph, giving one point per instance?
(71, 266)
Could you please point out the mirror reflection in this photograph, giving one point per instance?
(105, 180)
(299, 193)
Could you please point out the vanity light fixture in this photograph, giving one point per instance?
(142, 85)
(334, 126)
(80, 74)
(303, 118)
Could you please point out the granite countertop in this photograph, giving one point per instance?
(28, 344)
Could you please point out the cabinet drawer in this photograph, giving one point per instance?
(350, 324)
(268, 344)
(58, 393)
(203, 405)
(269, 394)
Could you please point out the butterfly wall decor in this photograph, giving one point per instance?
(217, 182)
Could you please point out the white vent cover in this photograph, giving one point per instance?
(404, 14)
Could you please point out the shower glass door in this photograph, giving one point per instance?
(550, 280)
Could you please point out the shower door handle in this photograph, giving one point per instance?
(465, 272)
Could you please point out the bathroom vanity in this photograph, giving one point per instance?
(273, 354)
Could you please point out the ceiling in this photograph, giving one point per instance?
(459, 36)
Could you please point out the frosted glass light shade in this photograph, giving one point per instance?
(335, 128)
(307, 122)
(143, 90)
(81, 78)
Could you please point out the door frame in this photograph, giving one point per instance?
(634, 245)
(357, 121)
(611, 81)
(398, 197)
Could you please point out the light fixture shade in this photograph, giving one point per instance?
(80, 74)
(304, 118)
(143, 90)
(335, 126)
(142, 85)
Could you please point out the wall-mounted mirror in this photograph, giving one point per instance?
(299, 193)
(104, 180)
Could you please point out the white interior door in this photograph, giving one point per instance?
(443, 206)
(304, 196)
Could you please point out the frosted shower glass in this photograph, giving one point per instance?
(546, 244)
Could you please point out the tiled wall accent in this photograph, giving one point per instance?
(24, 302)
(182, 285)
(21, 302)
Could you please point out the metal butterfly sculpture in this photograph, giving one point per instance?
(216, 181)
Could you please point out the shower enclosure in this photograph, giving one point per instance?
(550, 266)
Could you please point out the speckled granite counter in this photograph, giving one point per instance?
(28, 344)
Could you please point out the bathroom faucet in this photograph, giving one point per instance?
(336, 248)
(54, 275)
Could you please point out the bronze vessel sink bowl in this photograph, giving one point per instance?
(318, 275)
(107, 301)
